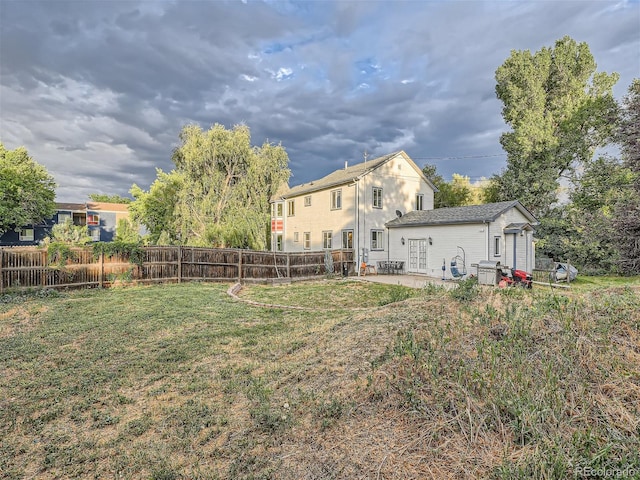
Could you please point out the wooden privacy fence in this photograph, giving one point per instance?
(32, 268)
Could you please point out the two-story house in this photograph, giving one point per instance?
(349, 207)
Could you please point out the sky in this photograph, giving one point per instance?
(98, 91)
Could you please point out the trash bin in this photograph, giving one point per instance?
(488, 272)
(345, 269)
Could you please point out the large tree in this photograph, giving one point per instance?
(627, 210)
(219, 191)
(155, 208)
(27, 191)
(560, 110)
(456, 193)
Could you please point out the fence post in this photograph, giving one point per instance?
(179, 263)
(239, 265)
(43, 272)
(101, 271)
(288, 265)
(1, 274)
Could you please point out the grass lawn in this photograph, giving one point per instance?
(370, 381)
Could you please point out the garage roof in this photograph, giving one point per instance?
(452, 215)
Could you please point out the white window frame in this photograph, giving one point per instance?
(306, 240)
(377, 239)
(279, 209)
(377, 197)
(23, 236)
(307, 201)
(279, 242)
(497, 246)
(336, 199)
(296, 237)
(291, 208)
(419, 201)
(63, 216)
(345, 239)
(327, 240)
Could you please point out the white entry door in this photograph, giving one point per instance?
(417, 255)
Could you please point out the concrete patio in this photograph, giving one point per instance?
(413, 281)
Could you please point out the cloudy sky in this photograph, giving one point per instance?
(98, 90)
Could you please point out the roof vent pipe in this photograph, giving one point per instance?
(346, 164)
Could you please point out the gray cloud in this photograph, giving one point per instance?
(98, 91)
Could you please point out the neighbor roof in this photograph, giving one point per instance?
(103, 206)
(469, 214)
(344, 176)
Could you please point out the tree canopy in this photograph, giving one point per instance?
(218, 194)
(627, 210)
(560, 109)
(27, 191)
(456, 193)
(103, 197)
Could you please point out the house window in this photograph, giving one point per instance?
(26, 235)
(279, 243)
(377, 238)
(93, 219)
(291, 208)
(327, 238)
(419, 201)
(306, 240)
(296, 237)
(278, 209)
(63, 217)
(377, 197)
(336, 199)
(347, 239)
(307, 201)
(94, 233)
(497, 242)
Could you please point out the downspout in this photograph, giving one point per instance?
(357, 232)
(515, 238)
(488, 241)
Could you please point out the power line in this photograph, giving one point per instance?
(460, 158)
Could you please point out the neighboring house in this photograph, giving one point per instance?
(500, 232)
(99, 217)
(349, 207)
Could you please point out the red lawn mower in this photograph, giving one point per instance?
(510, 277)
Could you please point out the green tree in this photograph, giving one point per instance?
(583, 231)
(103, 197)
(155, 209)
(559, 110)
(456, 193)
(27, 191)
(69, 234)
(627, 210)
(218, 194)
(127, 231)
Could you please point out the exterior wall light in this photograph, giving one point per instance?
(402, 240)
(430, 241)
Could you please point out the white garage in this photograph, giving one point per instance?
(425, 240)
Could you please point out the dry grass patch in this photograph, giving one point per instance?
(181, 381)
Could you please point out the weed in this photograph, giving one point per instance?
(396, 293)
(466, 290)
